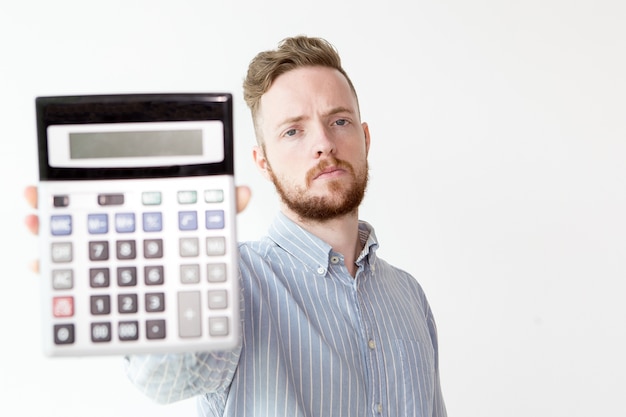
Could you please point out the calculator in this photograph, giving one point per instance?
(137, 224)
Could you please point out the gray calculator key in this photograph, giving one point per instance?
(153, 248)
(218, 299)
(218, 326)
(63, 334)
(189, 246)
(61, 252)
(60, 201)
(153, 275)
(215, 245)
(125, 249)
(99, 251)
(155, 301)
(190, 274)
(62, 279)
(110, 199)
(99, 277)
(101, 332)
(127, 276)
(216, 272)
(155, 329)
(189, 314)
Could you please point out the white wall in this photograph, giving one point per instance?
(497, 166)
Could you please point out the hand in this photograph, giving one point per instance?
(32, 220)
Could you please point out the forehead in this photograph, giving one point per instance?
(306, 90)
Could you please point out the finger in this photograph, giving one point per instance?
(243, 197)
(32, 223)
(30, 193)
(34, 266)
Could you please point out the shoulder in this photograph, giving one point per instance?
(402, 279)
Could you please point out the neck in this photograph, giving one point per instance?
(341, 233)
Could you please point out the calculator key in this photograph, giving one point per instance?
(127, 303)
(100, 304)
(155, 329)
(100, 332)
(125, 249)
(152, 222)
(63, 306)
(218, 326)
(63, 334)
(61, 225)
(128, 330)
(189, 247)
(127, 276)
(99, 277)
(155, 302)
(153, 275)
(125, 222)
(187, 197)
(61, 252)
(97, 223)
(216, 272)
(189, 314)
(215, 245)
(151, 198)
(111, 199)
(214, 219)
(99, 251)
(62, 279)
(214, 196)
(153, 248)
(190, 274)
(60, 201)
(187, 220)
(218, 299)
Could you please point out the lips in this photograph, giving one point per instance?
(328, 171)
(329, 168)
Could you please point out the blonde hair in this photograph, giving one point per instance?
(294, 52)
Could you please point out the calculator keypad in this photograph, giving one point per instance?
(141, 271)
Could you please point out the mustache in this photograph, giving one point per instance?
(324, 164)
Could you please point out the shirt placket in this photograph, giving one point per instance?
(372, 354)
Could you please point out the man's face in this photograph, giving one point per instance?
(314, 144)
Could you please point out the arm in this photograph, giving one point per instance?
(168, 378)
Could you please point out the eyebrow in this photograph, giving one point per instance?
(333, 111)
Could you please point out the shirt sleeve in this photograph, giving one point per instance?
(439, 407)
(167, 378)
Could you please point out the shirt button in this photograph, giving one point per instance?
(371, 344)
(334, 259)
(321, 270)
(379, 408)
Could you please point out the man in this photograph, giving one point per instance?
(328, 328)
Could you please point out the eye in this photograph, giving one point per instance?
(291, 132)
(341, 122)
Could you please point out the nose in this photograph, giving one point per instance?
(324, 143)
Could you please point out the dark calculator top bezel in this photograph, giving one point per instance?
(129, 108)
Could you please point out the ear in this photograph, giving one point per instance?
(260, 161)
(366, 132)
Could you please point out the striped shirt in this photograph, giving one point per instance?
(316, 342)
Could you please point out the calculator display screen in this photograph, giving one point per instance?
(135, 144)
(147, 144)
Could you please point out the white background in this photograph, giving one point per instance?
(497, 176)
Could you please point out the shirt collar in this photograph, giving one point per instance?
(313, 251)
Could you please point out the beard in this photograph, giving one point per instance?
(341, 199)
